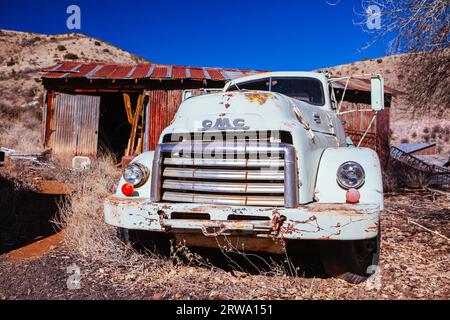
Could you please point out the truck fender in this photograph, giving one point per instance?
(327, 189)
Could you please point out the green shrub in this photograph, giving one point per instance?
(31, 92)
(70, 56)
(10, 62)
(436, 129)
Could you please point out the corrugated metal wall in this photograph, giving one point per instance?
(74, 129)
(163, 106)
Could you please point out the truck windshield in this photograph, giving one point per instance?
(306, 89)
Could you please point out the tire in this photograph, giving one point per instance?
(124, 235)
(350, 260)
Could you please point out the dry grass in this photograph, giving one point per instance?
(398, 176)
(20, 128)
(81, 215)
(185, 275)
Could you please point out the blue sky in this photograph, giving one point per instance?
(263, 34)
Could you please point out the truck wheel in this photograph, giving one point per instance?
(350, 260)
(124, 235)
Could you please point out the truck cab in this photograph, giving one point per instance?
(260, 163)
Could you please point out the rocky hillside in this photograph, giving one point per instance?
(23, 55)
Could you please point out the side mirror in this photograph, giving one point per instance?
(377, 92)
(187, 94)
(349, 142)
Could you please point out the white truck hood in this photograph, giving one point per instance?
(246, 110)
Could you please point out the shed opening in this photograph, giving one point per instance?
(114, 128)
(91, 123)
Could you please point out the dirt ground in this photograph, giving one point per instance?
(414, 265)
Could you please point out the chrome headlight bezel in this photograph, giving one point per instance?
(350, 175)
(136, 174)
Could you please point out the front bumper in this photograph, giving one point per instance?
(312, 221)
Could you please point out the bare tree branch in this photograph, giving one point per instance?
(415, 26)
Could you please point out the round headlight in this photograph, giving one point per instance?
(350, 174)
(136, 174)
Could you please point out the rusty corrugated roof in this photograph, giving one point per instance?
(357, 84)
(98, 70)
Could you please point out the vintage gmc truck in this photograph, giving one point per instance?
(263, 162)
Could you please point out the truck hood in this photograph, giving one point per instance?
(247, 110)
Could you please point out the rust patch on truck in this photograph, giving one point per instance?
(292, 227)
(207, 209)
(373, 228)
(277, 221)
(259, 97)
(237, 243)
(332, 208)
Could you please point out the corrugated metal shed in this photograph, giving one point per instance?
(97, 70)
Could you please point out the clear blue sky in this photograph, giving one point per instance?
(263, 34)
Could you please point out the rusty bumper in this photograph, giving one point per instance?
(312, 221)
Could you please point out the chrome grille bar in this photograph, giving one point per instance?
(222, 174)
(193, 151)
(223, 187)
(247, 163)
(224, 199)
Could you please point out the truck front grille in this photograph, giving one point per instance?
(239, 176)
(231, 182)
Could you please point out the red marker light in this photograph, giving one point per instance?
(352, 196)
(127, 189)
